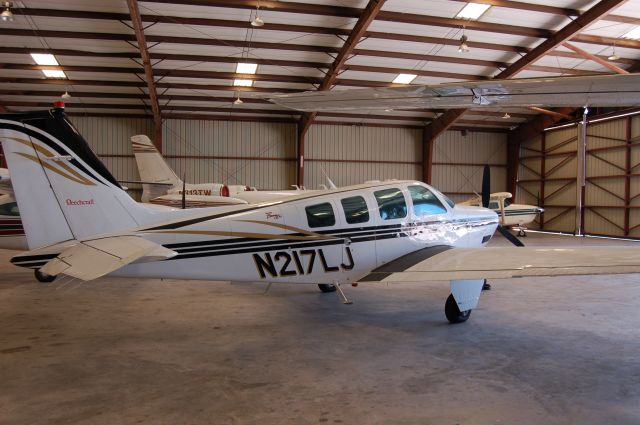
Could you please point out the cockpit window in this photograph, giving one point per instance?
(320, 215)
(391, 204)
(10, 208)
(355, 209)
(445, 197)
(494, 205)
(425, 202)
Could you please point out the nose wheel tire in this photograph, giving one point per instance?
(327, 287)
(453, 313)
(43, 277)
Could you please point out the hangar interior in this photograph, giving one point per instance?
(194, 76)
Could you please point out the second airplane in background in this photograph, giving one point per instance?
(161, 185)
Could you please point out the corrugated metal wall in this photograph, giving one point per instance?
(458, 161)
(110, 139)
(263, 154)
(610, 151)
(256, 154)
(354, 154)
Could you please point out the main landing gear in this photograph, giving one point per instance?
(453, 313)
(327, 287)
(43, 277)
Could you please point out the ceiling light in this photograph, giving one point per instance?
(243, 83)
(53, 73)
(44, 59)
(404, 78)
(238, 101)
(506, 115)
(463, 47)
(7, 14)
(472, 11)
(258, 22)
(65, 95)
(246, 68)
(633, 34)
(614, 56)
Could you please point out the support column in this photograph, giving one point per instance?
(627, 179)
(543, 172)
(427, 157)
(513, 166)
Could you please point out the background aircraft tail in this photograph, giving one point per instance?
(152, 169)
(63, 190)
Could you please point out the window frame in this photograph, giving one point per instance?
(404, 199)
(344, 210)
(333, 214)
(445, 205)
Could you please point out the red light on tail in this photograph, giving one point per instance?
(58, 104)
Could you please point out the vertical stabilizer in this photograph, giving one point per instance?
(63, 190)
(153, 169)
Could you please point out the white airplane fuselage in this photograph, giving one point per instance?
(276, 242)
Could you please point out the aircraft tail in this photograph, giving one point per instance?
(63, 190)
(152, 169)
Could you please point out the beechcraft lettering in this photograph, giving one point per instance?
(80, 202)
(291, 263)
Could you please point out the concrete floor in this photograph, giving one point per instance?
(116, 351)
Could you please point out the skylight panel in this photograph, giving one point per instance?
(44, 59)
(54, 73)
(246, 68)
(634, 34)
(473, 11)
(404, 78)
(243, 83)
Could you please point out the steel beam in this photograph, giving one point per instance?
(148, 72)
(365, 19)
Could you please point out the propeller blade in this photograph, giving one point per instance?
(509, 236)
(486, 186)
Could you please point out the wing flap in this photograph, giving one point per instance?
(507, 262)
(88, 260)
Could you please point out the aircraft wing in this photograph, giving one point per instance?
(600, 90)
(92, 259)
(446, 263)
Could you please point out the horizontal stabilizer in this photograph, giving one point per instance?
(503, 263)
(92, 259)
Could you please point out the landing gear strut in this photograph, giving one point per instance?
(522, 233)
(43, 277)
(453, 313)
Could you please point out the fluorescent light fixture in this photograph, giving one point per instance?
(44, 59)
(246, 68)
(472, 11)
(243, 83)
(634, 34)
(404, 78)
(53, 73)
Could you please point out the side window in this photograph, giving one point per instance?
(320, 215)
(494, 205)
(10, 208)
(391, 204)
(355, 209)
(425, 202)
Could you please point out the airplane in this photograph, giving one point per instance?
(511, 215)
(80, 223)
(162, 186)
